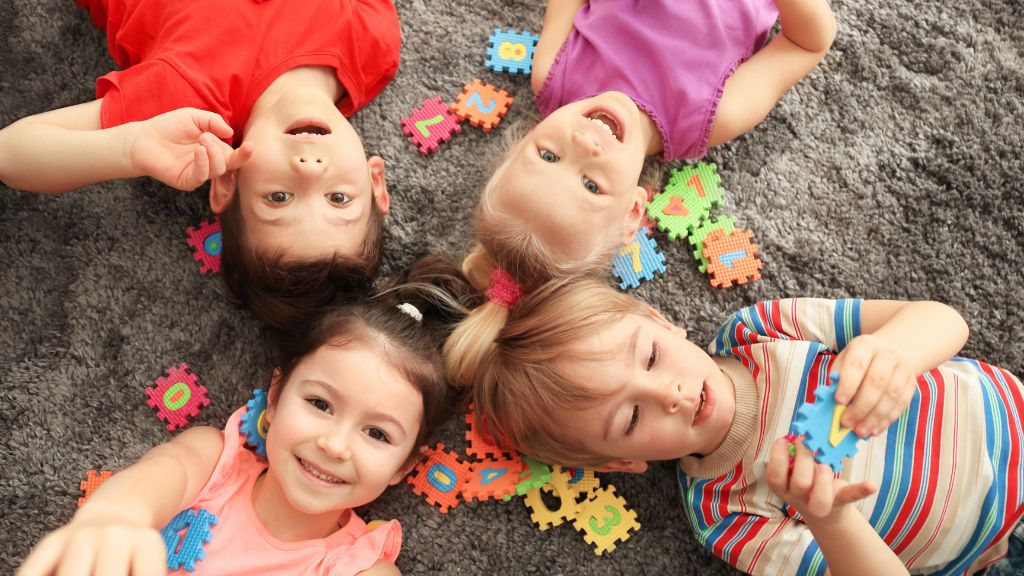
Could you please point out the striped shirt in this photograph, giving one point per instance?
(949, 470)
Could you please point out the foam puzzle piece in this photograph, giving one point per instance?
(687, 199)
(697, 236)
(177, 397)
(731, 259)
(482, 105)
(492, 478)
(439, 478)
(581, 481)
(430, 125)
(185, 552)
(545, 517)
(638, 260)
(819, 422)
(254, 424)
(511, 51)
(479, 444)
(645, 220)
(93, 479)
(535, 475)
(206, 244)
(604, 520)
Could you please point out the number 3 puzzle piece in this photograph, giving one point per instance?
(605, 520)
(637, 261)
(819, 422)
(430, 125)
(482, 105)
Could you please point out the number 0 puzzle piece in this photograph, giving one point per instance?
(687, 199)
(819, 422)
(206, 244)
(93, 479)
(482, 105)
(177, 397)
(440, 478)
(511, 51)
(605, 520)
(545, 517)
(637, 261)
(731, 258)
(430, 125)
(184, 537)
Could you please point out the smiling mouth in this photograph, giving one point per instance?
(311, 126)
(700, 404)
(320, 475)
(607, 122)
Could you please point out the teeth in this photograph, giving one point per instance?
(602, 124)
(323, 477)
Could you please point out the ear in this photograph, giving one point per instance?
(635, 216)
(630, 466)
(222, 189)
(273, 395)
(378, 184)
(662, 320)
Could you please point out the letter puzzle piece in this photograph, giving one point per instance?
(478, 443)
(580, 480)
(440, 477)
(482, 105)
(697, 236)
(511, 51)
(206, 244)
(184, 537)
(687, 199)
(177, 397)
(819, 422)
(545, 517)
(430, 124)
(492, 478)
(605, 520)
(731, 258)
(254, 423)
(637, 261)
(534, 476)
(93, 479)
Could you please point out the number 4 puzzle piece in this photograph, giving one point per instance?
(177, 397)
(482, 105)
(731, 258)
(430, 125)
(492, 478)
(605, 520)
(511, 51)
(819, 422)
(638, 260)
(440, 478)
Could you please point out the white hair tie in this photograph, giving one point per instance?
(412, 311)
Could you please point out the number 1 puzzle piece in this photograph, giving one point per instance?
(177, 397)
(731, 258)
(605, 520)
(93, 479)
(206, 244)
(184, 537)
(819, 422)
(687, 199)
(430, 125)
(482, 105)
(637, 261)
(440, 478)
(511, 51)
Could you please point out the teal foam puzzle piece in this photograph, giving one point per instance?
(816, 421)
(638, 260)
(185, 552)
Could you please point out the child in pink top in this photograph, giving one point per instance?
(357, 391)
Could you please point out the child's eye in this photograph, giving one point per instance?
(320, 404)
(278, 197)
(547, 155)
(653, 358)
(591, 186)
(633, 421)
(338, 198)
(378, 435)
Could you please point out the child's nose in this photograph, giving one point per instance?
(673, 397)
(587, 142)
(309, 163)
(335, 444)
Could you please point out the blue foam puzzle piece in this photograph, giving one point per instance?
(624, 266)
(495, 61)
(814, 420)
(185, 552)
(250, 424)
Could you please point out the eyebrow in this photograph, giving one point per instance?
(633, 340)
(373, 415)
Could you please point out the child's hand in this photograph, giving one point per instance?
(874, 374)
(107, 545)
(183, 148)
(808, 486)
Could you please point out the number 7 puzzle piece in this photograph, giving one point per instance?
(482, 105)
(605, 520)
(638, 260)
(819, 422)
(430, 125)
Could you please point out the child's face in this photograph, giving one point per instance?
(308, 187)
(667, 397)
(574, 177)
(341, 430)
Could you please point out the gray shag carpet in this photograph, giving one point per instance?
(892, 171)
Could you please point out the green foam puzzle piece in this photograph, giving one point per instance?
(687, 199)
(697, 235)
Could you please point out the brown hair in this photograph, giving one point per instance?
(280, 292)
(514, 365)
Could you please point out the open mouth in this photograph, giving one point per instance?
(310, 126)
(607, 122)
(700, 405)
(320, 475)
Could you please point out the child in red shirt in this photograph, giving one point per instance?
(302, 206)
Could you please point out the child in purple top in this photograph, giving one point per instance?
(619, 80)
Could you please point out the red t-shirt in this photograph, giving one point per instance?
(220, 55)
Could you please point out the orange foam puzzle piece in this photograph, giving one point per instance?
(93, 479)
(479, 444)
(732, 258)
(440, 477)
(492, 478)
(482, 105)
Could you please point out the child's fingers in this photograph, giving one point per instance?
(44, 558)
(114, 554)
(819, 502)
(79, 555)
(150, 558)
(216, 152)
(215, 123)
(873, 396)
(777, 472)
(200, 168)
(802, 478)
(853, 492)
(239, 157)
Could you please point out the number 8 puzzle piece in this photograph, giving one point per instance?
(430, 124)
(511, 51)
(482, 105)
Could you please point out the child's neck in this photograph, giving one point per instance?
(320, 78)
(655, 143)
(286, 523)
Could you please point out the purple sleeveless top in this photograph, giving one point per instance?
(672, 57)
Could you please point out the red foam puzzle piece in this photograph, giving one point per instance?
(177, 397)
(430, 125)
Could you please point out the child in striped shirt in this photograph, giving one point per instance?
(580, 374)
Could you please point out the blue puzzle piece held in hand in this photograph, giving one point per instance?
(819, 422)
(185, 552)
(638, 260)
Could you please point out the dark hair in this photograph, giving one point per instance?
(441, 295)
(282, 293)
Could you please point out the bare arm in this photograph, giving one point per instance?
(808, 29)
(557, 26)
(381, 568)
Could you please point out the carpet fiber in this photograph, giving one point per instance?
(892, 171)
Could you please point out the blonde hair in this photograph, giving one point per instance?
(513, 361)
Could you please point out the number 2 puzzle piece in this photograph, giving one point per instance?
(440, 478)
(492, 478)
(511, 51)
(637, 261)
(687, 199)
(605, 520)
(93, 479)
(430, 125)
(184, 537)
(731, 258)
(697, 236)
(545, 517)
(177, 397)
(254, 423)
(206, 244)
(819, 422)
(482, 105)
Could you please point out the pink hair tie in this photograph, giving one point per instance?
(504, 290)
